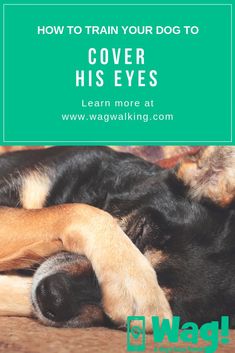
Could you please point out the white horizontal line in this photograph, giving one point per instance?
(117, 4)
(118, 141)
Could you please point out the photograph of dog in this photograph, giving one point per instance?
(90, 235)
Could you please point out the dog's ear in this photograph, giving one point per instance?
(210, 174)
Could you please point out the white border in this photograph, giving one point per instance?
(110, 142)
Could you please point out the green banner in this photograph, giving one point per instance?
(98, 74)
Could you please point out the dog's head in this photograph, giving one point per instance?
(187, 239)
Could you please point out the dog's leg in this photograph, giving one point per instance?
(30, 255)
(128, 282)
(15, 293)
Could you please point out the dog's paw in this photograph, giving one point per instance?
(134, 291)
(128, 282)
(66, 293)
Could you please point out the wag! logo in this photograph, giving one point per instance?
(136, 340)
(188, 333)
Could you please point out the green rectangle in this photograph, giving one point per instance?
(192, 101)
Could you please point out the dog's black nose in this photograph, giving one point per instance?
(55, 297)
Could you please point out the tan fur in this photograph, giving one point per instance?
(155, 257)
(168, 292)
(128, 281)
(124, 221)
(31, 254)
(83, 266)
(169, 151)
(35, 188)
(211, 174)
(7, 149)
(91, 312)
(15, 295)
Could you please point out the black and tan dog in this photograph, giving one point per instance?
(138, 238)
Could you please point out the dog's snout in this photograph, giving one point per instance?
(66, 293)
(54, 297)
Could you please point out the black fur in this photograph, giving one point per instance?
(197, 238)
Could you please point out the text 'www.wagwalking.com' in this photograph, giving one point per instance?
(106, 118)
